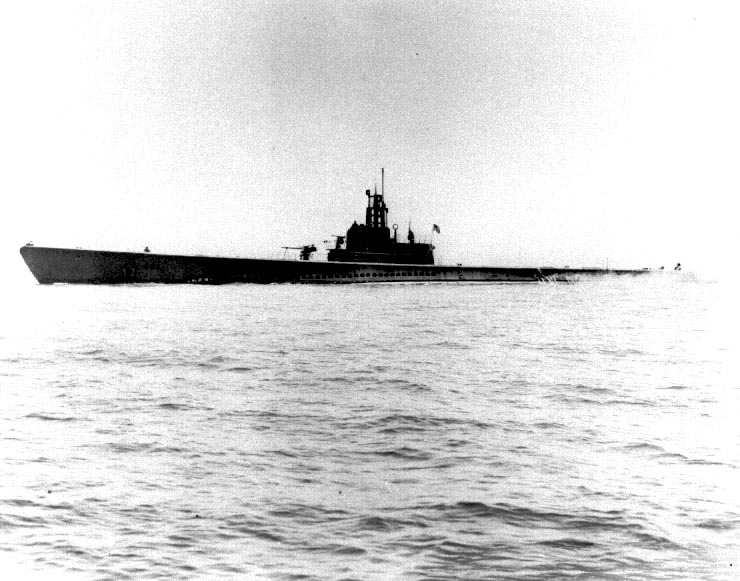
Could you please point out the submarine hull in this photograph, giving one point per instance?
(78, 266)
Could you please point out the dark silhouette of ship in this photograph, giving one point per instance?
(368, 252)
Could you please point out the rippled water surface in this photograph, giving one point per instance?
(375, 431)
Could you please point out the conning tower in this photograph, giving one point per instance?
(372, 241)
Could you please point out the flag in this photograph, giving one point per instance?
(435, 228)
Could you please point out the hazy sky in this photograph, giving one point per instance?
(544, 133)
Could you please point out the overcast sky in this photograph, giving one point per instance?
(537, 133)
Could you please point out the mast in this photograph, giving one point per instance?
(377, 211)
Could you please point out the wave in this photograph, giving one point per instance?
(569, 543)
(308, 514)
(175, 406)
(412, 422)
(385, 524)
(613, 521)
(658, 452)
(716, 524)
(50, 417)
(404, 453)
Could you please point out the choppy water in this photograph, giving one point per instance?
(583, 431)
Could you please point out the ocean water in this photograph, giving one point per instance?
(379, 431)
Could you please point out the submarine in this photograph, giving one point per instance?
(369, 252)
